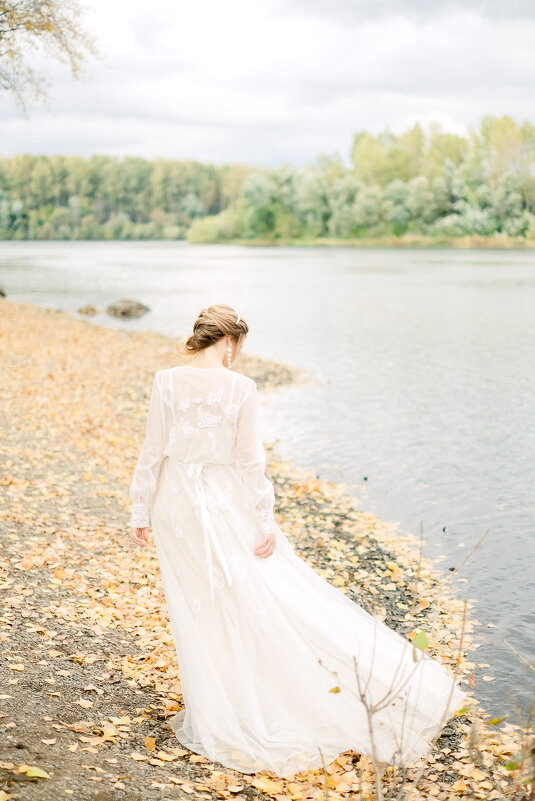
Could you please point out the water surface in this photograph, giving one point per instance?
(425, 396)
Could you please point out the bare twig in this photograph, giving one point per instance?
(468, 555)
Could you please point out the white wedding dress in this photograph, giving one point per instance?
(262, 643)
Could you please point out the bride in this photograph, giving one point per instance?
(279, 670)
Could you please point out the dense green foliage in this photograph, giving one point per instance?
(420, 182)
(431, 183)
(66, 197)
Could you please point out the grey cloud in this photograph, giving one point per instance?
(300, 98)
(354, 11)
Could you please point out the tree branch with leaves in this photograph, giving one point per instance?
(31, 28)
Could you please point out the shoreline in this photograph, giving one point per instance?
(416, 241)
(84, 599)
(498, 242)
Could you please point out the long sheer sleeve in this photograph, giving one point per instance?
(149, 461)
(251, 459)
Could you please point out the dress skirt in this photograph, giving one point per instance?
(279, 670)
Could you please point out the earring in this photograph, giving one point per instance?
(229, 353)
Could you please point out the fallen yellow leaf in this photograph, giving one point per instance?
(267, 785)
(166, 757)
(37, 772)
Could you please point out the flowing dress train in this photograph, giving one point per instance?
(279, 670)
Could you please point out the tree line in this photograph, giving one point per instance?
(424, 181)
(68, 197)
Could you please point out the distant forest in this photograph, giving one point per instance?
(422, 182)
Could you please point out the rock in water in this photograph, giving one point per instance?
(88, 310)
(2, 293)
(127, 308)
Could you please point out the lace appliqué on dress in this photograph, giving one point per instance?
(214, 397)
(204, 419)
(213, 443)
(140, 515)
(221, 499)
(237, 567)
(267, 521)
(187, 427)
(219, 577)
(231, 409)
(207, 419)
(237, 570)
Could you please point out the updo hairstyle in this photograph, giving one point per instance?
(211, 325)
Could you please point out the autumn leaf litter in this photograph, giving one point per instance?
(88, 669)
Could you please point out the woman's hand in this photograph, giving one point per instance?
(140, 535)
(267, 547)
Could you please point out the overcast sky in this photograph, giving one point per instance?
(279, 81)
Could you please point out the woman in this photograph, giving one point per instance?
(279, 670)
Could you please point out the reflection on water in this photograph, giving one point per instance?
(425, 394)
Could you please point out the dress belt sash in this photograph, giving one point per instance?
(195, 471)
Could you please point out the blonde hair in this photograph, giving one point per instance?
(211, 325)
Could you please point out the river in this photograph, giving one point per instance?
(425, 401)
